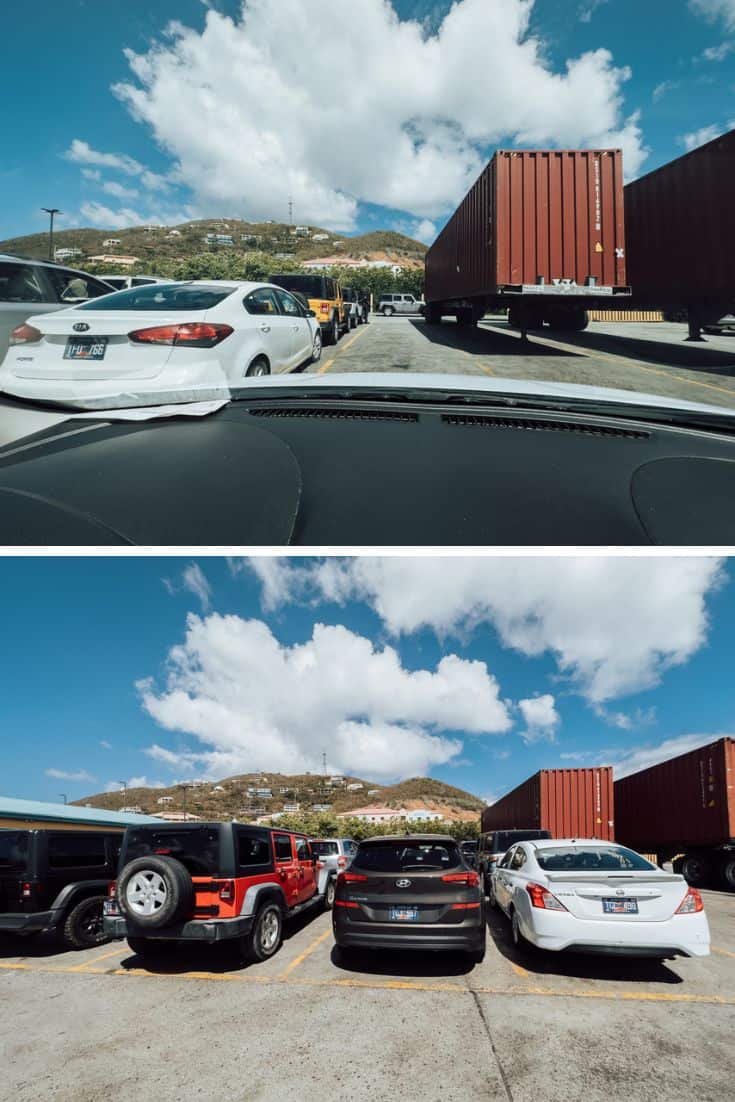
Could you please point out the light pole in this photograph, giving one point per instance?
(63, 796)
(124, 786)
(51, 211)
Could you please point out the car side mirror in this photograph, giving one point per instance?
(310, 313)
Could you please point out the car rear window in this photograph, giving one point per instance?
(13, 850)
(504, 839)
(401, 856)
(197, 849)
(591, 859)
(162, 297)
(309, 285)
(325, 849)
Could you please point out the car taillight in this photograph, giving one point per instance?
(341, 862)
(25, 334)
(465, 906)
(691, 904)
(195, 334)
(27, 890)
(469, 879)
(320, 864)
(345, 903)
(324, 307)
(541, 897)
(351, 878)
(112, 890)
(227, 891)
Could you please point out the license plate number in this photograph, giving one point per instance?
(85, 348)
(404, 914)
(620, 906)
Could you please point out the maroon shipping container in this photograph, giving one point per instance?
(571, 803)
(682, 803)
(680, 223)
(542, 224)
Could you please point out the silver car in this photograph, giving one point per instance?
(400, 304)
(29, 287)
(335, 854)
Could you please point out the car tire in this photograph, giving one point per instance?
(329, 894)
(149, 947)
(477, 956)
(519, 941)
(82, 927)
(332, 334)
(266, 935)
(168, 878)
(258, 367)
(490, 893)
(388, 311)
(696, 870)
(353, 322)
(316, 348)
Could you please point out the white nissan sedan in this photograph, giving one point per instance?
(590, 896)
(172, 342)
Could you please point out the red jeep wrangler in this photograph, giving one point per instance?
(211, 881)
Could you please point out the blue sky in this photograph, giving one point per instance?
(477, 671)
(195, 122)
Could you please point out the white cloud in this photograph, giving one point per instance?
(63, 775)
(661, 89)
(642, 757)
(92, 174)
(715, 10)
(541, 718)
(613, 625)
(425, 231)
(267, 126)
(718, 53)
(82, 153)
(255, 703)
(99, 215)
(700, 137)
(588, 9)
(133, 782)
(119, 191)
(105, 744)
(195, 581)
(579, 755)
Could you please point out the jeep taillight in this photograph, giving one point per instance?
(324, 307)
(341, 862)
(227, 891)
(112, 890)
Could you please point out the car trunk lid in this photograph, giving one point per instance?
(632, 896)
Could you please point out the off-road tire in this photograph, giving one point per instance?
(179, 891)
(82, 928)
(266, 935)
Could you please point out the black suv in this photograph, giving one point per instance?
(56, 880)
(495, 844)
(410, 892)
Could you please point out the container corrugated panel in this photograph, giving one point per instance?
(571, 803)
(626, 315)
(531, 215)
(681, 228)
(686, 801)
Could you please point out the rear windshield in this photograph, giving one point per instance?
(591, 859)
(309, 285)
(197, 849)
(324, 849)
(504, 839)
(402, 856)
(162, 296)
(13, 850)
(469, 847)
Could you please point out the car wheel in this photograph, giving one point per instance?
(477, 956)
(353, 322)
(388, 311)
(519, 941)
(329, 895)
(258, 367)
(147, 947)
(264, 940)
(83, 925)
(316, 348)
(155, 891)
(332, 334)
(490, 893)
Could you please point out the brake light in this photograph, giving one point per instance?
(27, 890)
(464, 906)
(319, 864)
(469, 879)
(341, 862)
(692, 903)
(541, 897)
(346, 903)
(351, 878)
(112, 890)
(195, 334)
(25, 334)
(227, 891)
(324, 307)
(163, 851)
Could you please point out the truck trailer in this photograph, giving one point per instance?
(569, 803)
(683, 810)
(542, 233)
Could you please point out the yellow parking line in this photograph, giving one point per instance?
(482, 367)
(519, 971)
(88, 963)
(723, 952)
(326, 366)
(306, 953)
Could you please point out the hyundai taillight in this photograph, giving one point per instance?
(195, 334)
(346, 903)
(25, 334)
(465, 906)
(542, 897)
(351, 878)
(692, 903)
(469, 879)
(27, 890)
(227, 891)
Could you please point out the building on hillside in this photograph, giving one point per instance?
(284, 256)
(133, 810)
(111, 242)
(178, 817)
(374, 814)
(336, 781)
(218, 788)
(374, 791)
(320, 237)
(321, 807)
(225, 239)
(164, 800)
(264, 793)
(36, 815)
(338, 244)
(423, 815)
(113, 260)
(196, 784)
(66, 254)
(355, 787)
(291, 809)
(174, 233)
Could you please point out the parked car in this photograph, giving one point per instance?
(325, 299)
(494, 845)
(724, 326)
(210, 882)
(468, 849)
(165, 342)
(31, 287)
(55, 881)
(335, 854)
(399, 304)
(590, 896)
(409, 892)
(356, 307)
(123, 282)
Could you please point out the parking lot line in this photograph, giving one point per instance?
(306, 953)
(723, 952)
(325, 367)
(88, 963)
(519, 971)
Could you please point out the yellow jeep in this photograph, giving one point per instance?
(325, 298)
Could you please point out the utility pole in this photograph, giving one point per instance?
(63, 796)
(51, 211)
(290, 212)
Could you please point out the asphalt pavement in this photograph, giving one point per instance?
(102, 1026)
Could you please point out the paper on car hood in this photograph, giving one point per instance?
(152, 413)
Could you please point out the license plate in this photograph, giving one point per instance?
(403, 914)
(85, 348)
(620, 906)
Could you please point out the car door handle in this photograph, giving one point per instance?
(265, 328)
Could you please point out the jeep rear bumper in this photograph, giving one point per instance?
(28, 923)
(218, 929)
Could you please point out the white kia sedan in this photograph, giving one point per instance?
(590, 896)
(171, 342)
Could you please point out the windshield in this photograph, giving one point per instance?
(402, 856)
(591, 858)
(197, 848)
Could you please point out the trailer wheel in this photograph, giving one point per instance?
(728, 871)
(432, 314)
(695, 869)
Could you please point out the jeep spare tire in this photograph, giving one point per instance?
(153, 892)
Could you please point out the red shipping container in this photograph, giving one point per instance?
(571, 803)
(684, 802)
(680, 223)
(551, 215)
